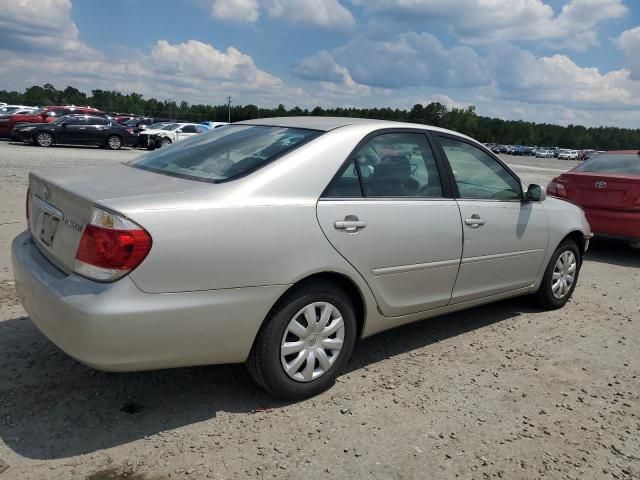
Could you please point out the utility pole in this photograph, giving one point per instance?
(229, 100)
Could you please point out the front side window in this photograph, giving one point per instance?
(225, 153)
(477, 174)
(390, 165)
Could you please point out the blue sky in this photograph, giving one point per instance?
(559, 61)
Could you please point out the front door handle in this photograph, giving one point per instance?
(475, 221)
(350, 224)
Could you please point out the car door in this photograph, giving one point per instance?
(96, 131)
(388, 213)
(186, 131)
(72, 131)
(505, 237)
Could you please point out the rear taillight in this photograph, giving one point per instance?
(556, 188)
(111, 247)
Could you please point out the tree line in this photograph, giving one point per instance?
(463, 120)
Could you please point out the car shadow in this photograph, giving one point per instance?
(83, 147)
(53, 407)
(613, 252)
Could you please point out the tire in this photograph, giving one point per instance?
(267, 366)
(548, 298)
(114, 142)
(44, 139)
(164, 142)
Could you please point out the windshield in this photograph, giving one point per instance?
(170, 126)
(225, 153)
(611, 163)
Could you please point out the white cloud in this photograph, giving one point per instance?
(236, 10)
(40, 26)
(629, 43)
(487, 21)
(320, 13)
(407, 60)
(520, 75)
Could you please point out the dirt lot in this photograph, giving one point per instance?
(501, 391)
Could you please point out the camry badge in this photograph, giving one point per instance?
(45, 193)
(601, 184)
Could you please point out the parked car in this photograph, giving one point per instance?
(279, 242)
(77, 130)
(544, 153)
(10, 109)
(568, 155)
(168, 134)
(212, 125)
(585, 154)
(46, 114)
(496, 148)
(607, 187)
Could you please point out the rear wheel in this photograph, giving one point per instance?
(114, 142)
(560, 277)
(305, 343)
(44, 139)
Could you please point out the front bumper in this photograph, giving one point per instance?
(117, 327)
(623, 225)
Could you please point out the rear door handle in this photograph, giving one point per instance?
(475, 221)
(350, 224)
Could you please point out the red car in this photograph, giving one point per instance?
(45, 114)
(607, 187)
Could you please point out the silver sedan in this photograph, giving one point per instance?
(280, 242)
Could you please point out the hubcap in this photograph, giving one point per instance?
(114, 142)
(312, 341)
(44, 139)
(564, 274)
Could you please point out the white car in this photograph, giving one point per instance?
(568, 155)
(11, 109)
(170, 133)
(542, 153)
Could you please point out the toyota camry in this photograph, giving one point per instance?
(280, 242)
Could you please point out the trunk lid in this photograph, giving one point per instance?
(603, 190)
(61, 202)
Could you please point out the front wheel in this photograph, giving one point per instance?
(305, 343)
(560, 277)
(44, 139)
(114, 142)
(165, 142)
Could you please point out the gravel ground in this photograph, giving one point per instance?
(501, 391)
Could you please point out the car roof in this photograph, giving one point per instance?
(329, 123)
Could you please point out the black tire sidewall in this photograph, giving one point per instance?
(274, 376)
(546, 293)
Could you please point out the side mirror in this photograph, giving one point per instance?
(535, 193)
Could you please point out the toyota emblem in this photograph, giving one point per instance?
(601, 184)
(45, 193)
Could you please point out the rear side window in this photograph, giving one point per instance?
(611, 163)
(225, 153)
(76, 121)
(189, 129)
(96, 121)
(390, 165)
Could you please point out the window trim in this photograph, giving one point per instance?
(452, 180)
(447, 193)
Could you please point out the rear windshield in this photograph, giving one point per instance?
(612, 163)
(224, 153)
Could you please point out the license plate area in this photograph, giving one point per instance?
(48, 228)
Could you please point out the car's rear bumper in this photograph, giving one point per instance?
(624, 225)
(117, 327)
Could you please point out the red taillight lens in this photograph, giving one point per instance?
(556, 188)
(113, 249)
(111, 246)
